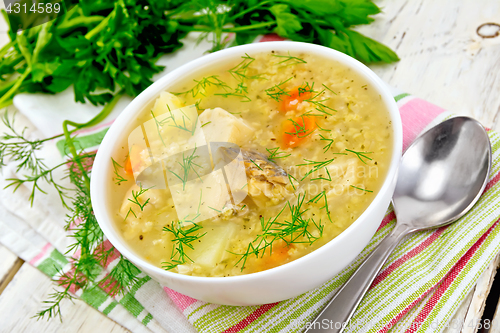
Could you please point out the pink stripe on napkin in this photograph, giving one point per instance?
(250, 318)
(452, 275)
(415, 251)
(415, 116)
(182, 301)
(42, 253)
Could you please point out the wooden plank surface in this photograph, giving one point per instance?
(443, 60)
(23, 297)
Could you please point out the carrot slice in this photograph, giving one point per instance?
(278, 256)
(295, 96)
(134, 160)
(296, 130)
(128, 167)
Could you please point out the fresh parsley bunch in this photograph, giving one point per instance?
(102, 46)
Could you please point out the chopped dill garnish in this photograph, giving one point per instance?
(183, 238)
(205, 124)
(320, 103)
(258, 166)
(130, 210)
(325, 206)
(362, 189)
(245, 97)
(321, 177)
(136, 195)
(290, 177)
(276, 91)
(239, 72)
(159, 124)
(187, 166)
(328, 145)
(315, 166)
(294, 229)
(215, 209)
(201, 86)
(183, 126)
(330, 90)
(305, 88)
(361, 155)
(289, 60)
(323, 129)
(275, 154)
(118, 178)
(300, 129)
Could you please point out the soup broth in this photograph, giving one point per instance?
(251, 165)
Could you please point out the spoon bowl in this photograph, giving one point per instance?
(441, 176)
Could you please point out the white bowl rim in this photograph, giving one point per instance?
(137, 104)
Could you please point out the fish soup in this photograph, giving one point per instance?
(251, 165)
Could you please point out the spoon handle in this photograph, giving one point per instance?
(336, 314)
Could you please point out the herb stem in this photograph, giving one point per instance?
(79, 21)
(202, 28)
(6, 48)
(16, 85)
(69, 140)
(240, 14)
(98, 28)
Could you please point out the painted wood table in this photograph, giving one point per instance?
(450, 56)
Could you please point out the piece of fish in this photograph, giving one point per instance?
(268, 183)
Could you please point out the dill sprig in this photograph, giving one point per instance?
(320, 104)
(183, 237)
(362, 189)
(258, 166)
(289, 60)
(292, 230)
(306, 88)
(316, 165)
(239, 72)
(276, 154)
(328, 145)
(130, 210)
(300, 130)
(187, 165)
(182, 126)
(323, 178)
(235, 94)
(118, 178)
(81, 221)
(203, 84)
(276, 91)
(361, 155)
(159, 125)
(15, 147)
(330, 90)
(323, 129)
(320, 196)
(290, 177)
(136, 195)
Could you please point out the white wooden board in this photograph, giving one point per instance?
(23, 297)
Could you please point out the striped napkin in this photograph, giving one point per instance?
(418, 290)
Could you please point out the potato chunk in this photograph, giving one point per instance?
(221, 126)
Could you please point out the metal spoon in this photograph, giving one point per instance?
(441, 176)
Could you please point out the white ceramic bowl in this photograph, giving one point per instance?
(272, 285)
